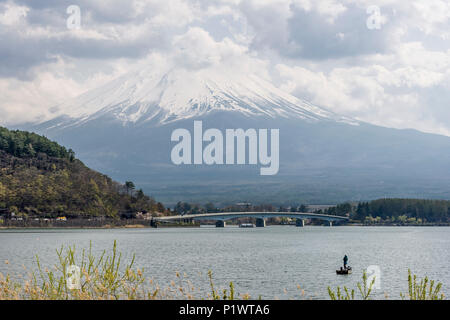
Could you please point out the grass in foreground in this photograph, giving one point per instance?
(106, 277)
(425, 290)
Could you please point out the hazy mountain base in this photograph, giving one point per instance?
(307, 192)
(320, 161)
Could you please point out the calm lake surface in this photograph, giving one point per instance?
(269, 261)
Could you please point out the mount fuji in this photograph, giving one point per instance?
(124, 128)
(145, 96)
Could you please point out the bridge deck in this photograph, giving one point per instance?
(262, 215)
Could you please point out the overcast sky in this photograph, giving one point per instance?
(391, 70)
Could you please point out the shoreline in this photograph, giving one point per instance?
(141, 226)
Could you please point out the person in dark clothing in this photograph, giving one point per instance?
(345, 261)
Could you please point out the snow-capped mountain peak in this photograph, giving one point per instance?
(146, 95)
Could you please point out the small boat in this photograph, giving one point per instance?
(347, 270)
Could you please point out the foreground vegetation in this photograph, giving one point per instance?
(424, 290)
(107, 277)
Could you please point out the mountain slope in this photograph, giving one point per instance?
(144, 97)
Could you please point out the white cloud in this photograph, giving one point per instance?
(391, 92)
(197, 49)
(320, 50)
(12, 15)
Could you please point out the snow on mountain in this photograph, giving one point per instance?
(147, 95)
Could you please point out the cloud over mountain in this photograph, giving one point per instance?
(319, 50)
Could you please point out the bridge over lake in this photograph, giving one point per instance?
(261, 217)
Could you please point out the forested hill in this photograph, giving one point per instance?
(396, 211)
(38, 177)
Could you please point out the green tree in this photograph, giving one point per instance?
(129, 185)
(209, 207)
(303, 208)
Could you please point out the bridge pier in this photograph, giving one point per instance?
(260, 222)
(299, 223)
(330, 223)
(220, 224)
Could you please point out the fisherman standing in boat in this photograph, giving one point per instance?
(345, 261)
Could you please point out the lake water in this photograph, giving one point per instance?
(269, 261)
